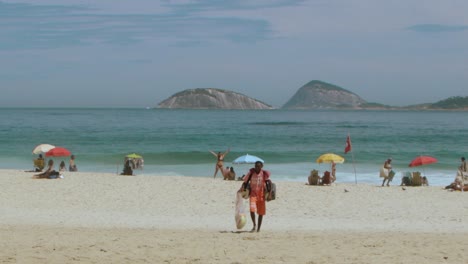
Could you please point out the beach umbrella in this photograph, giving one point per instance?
(42, 148)
(247, 159)
(329, 158)
(422, 160)
(58, 152)
(134, 156)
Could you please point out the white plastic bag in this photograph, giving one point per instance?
(240, 217)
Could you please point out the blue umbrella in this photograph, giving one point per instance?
(246, 159)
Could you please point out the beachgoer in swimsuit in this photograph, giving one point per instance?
(62, 166)
(462, 167)
(219, 163)
(385, 171)
(72, 165)
(333, 172)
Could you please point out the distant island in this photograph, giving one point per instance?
(321, 95)
(211, 98)
(315, 94)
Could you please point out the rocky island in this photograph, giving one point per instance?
(321, 95)
(313, 95)
(211, 98)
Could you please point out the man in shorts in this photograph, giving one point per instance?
(257, 177)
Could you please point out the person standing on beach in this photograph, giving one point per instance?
(257, 177)
(71, 164)
(462, 167)
(385, 172)
(333, 171)
(220, 161)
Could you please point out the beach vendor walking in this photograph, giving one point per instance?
(219, 161)
(386, 172)
(257, 178)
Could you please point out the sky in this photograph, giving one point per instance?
(137, 53)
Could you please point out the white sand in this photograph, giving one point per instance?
(105, 218)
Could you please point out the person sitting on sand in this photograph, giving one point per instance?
(39, 163)
(62, 166)
(424, 181)
(457, 184)
(127, 170)
(50, 173)
(225, 173)
(229, 174)
(314, 178)
(326, 178)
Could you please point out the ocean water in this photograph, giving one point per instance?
(177, 142)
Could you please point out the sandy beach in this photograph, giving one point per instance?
(105, 218)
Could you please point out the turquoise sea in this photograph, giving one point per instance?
(176, 142)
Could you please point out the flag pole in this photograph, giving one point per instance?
(352, 156)
(354, 166)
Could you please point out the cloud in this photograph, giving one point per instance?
(54, 25)
(436, 28)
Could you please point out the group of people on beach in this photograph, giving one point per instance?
(228, 172)
(387, 174)
(327, 178)
(50, 172)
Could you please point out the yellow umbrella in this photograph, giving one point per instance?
(330, 157)
(134, 156)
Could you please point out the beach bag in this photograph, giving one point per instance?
(390, 175)
(270, 188)
(239, 216)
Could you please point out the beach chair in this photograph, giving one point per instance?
(314, 179)
(416, 179)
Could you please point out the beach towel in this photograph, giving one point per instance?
(383, 172)
(239, 216)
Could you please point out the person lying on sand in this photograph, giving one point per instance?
(50, 173)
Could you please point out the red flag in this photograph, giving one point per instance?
(348, 145)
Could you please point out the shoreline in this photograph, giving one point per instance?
(97, 217)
